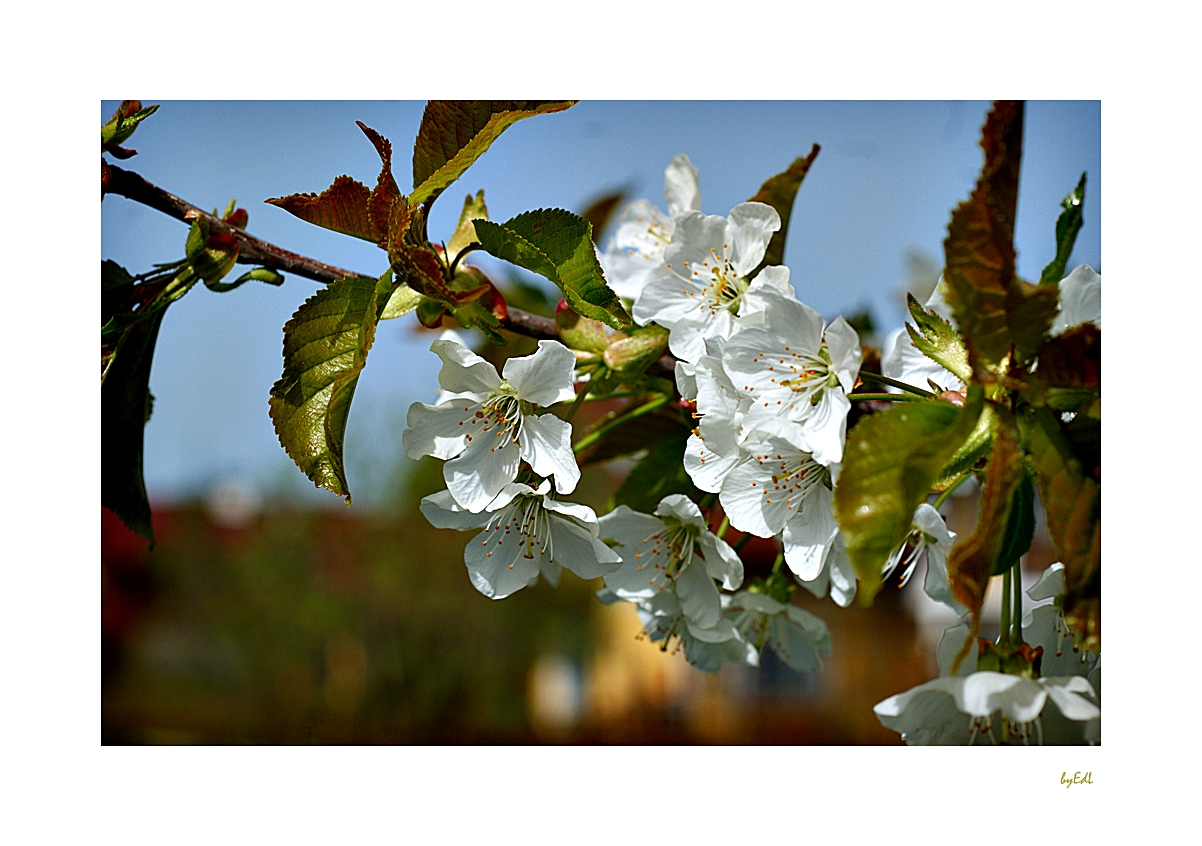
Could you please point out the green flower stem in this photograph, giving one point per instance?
(884, 397)
(1017, 609)
(722, 526)
(707, 500)
(943, 496)
(742, 542)
(885, 380)
(601, 431)
(1004, 637)
(780, 559)
(576, 403)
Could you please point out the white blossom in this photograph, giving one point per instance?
(707, 648)
(644, 232)
(703, 282)
(671, 551)
(929, 537)
(1080, 299)
(487, 425)
(797, 637)
(525, 533)
(791, 368)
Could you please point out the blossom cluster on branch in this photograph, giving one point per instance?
(996, 381)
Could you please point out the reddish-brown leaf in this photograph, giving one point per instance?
(341, 208)
(1073, 359)
(970, 564)
(1073, 511)
(387, 209)
(979, 248)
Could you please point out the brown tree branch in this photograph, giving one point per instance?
(252, 250)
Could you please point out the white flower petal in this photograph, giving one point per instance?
(574, 548)
(721, 562)
(444, 512)
(547, 446)
(545, 376)
(951, 643)
(682, 189)
(497, 566)
(750, 229)
(681, 507)
(800, 640)
(481, 471)
(842, 575)
(936, 583)
(1067, 692)
(436, 430)
(809, 533)
(843, 342)
(1080, 299)
(982, 693)
(706, 468)
(1050, 584)
(462, 370)
(686, 380)
(747, 500)
(698, 595)
(931, 523)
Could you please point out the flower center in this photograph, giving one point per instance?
(502, 415)
(651, 242)
(722, 284)
(802, 373)
(525, 522)
(792, 477)
(665, 554)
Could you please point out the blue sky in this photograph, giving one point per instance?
(884, 184)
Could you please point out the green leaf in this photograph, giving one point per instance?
(465, 231)
(938, 340)
(402, 301)
(454, 133)
(993, 308)
(1067, 227)
(972, 560)
(259, 274)
(212, 256)
(125, 404)
(779, 192)
(889, 464)
(1020, 527)
(122, 125)
(661, 472)
(975, 447)
(340, 208)
(558, 245)
(325, 348)
(1072, 503)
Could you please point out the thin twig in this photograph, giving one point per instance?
(252, 250)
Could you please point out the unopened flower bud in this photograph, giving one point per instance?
(580, 333)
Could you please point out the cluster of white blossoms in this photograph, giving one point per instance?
(1047, 690)
(486, 426)
(769, 380)
(1056, 703)
(770, 383)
